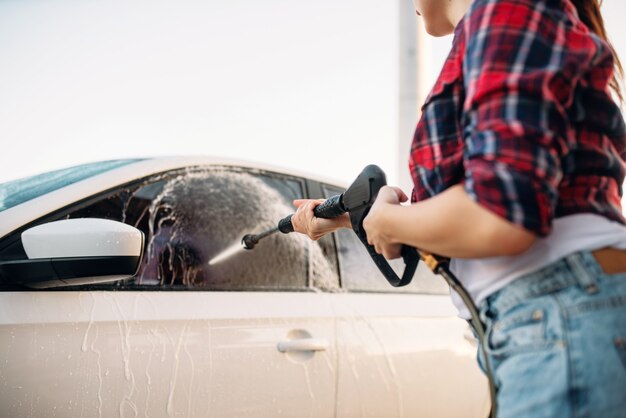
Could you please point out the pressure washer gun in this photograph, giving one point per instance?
(357, 200)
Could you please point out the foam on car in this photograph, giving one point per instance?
(202, 212)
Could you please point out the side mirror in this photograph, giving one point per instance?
(76, 252)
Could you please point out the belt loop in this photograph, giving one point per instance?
(585, 276)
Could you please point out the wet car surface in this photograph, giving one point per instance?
(291, 328)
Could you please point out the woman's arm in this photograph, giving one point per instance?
(449, 224)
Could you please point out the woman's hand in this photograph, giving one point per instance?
(374, 223)
(305, 222)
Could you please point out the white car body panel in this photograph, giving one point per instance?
(215, 354)
(396, 352)
(162, 354)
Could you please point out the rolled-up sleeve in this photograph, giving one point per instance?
(518, 76)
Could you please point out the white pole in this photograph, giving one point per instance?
(415, 76)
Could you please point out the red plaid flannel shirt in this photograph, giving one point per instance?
(522, 116)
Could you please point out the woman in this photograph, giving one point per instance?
(518, 162)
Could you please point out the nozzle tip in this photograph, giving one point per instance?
(248, 241)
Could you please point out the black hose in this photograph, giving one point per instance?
(439, 265)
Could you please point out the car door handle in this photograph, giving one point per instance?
(304, 344)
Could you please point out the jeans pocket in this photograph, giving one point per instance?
(521, 330)
(620, 346)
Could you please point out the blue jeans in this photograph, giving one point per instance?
(556, 340)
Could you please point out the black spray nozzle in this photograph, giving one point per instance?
(249, 241)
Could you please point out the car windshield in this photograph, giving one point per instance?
(19, 191)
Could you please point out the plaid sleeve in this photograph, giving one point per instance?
(520, 63)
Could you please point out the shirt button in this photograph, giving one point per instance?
(538, 315)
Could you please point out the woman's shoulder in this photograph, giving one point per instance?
(509, 30)
(520, 13)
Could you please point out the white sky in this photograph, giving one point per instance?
(303, 85)
(276, 81)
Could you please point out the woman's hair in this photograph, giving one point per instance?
(589, 13)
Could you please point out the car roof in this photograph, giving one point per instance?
(15, 217)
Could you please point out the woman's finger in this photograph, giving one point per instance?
(300, 202)
(392, 252)
(401, 195)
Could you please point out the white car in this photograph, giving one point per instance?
(109, 305)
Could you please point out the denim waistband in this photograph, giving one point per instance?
(578, 269)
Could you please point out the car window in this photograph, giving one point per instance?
(19, 191)
(190, 217)
(359, 273)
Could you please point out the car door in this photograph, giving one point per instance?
(250, 336)
(401, 352)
